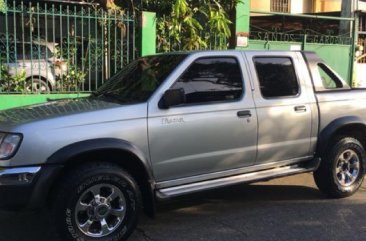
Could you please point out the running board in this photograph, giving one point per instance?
(231, 180)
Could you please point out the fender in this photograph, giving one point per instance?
(64, 154)
(56, 162)
(327, 133)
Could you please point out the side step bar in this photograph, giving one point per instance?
(169, 192)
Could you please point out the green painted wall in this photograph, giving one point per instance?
(148, 33)
(337, 56)
(243, 16)
(11, 101)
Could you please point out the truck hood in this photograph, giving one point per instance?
(65, 112)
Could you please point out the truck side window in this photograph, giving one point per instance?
(211, 79)
(277, 77)
(329, 80)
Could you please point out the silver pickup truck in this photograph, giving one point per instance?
(178, 123)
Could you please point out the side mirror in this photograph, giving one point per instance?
(172, 97)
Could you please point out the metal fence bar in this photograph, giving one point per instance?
(35, 85)
(47, 54)
(133, 41)
(15, 37)
(103, 48)
(61, 81)
(7, 40)
(23, 36)
(108, 52)
(128, 37)
(89, 51)
(31, 42)
(115, 41)
(96, 51)
(71, 48)
(82, 45)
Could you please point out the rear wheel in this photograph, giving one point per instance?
(341, 171)
(97, 202)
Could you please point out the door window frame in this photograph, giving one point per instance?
(296, 75)
(243, 92)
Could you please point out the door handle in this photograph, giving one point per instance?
(244, 114)
(300, 108)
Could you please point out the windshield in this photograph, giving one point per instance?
(138, 80)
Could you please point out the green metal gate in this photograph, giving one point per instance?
(62, 47)
(283, 31)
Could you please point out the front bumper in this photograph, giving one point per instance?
(25, 187)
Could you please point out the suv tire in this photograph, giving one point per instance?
(36, 85)
(97, 202)
(340, 173)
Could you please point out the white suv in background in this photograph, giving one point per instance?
(40, 64)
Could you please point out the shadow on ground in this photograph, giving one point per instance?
(244, 194)
(243, 212)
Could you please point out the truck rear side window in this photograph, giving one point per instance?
(211, 79)
(276, 76)
(329, 79)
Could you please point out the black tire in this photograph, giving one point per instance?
(37, 85)
(340, 173)
(77, 191)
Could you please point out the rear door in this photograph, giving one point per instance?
(282, 105)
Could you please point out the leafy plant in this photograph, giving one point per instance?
(218, 23)
(193, 25)
(3, 7)
(72, 79)
(11, 82)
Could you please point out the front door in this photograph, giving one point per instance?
(214, 130)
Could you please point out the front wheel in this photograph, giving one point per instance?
(341, 171)
(100, 202)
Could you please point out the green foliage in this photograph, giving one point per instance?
(3, 7)
(193, 25)
(11, 82)
(72, 79)
(190, 24)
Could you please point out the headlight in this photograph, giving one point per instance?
(9, 144)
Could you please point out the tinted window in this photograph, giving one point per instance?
(277, 76)
(34, 51)
(211, 79)
(329, 80)
(137, 81)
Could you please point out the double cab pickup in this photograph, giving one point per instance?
(177, 123)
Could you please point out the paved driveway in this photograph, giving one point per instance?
(284, 209)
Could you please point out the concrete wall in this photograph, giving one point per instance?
(328, 6)
(263, 5)
(301, 6)
(361, 75)
(361, 5)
